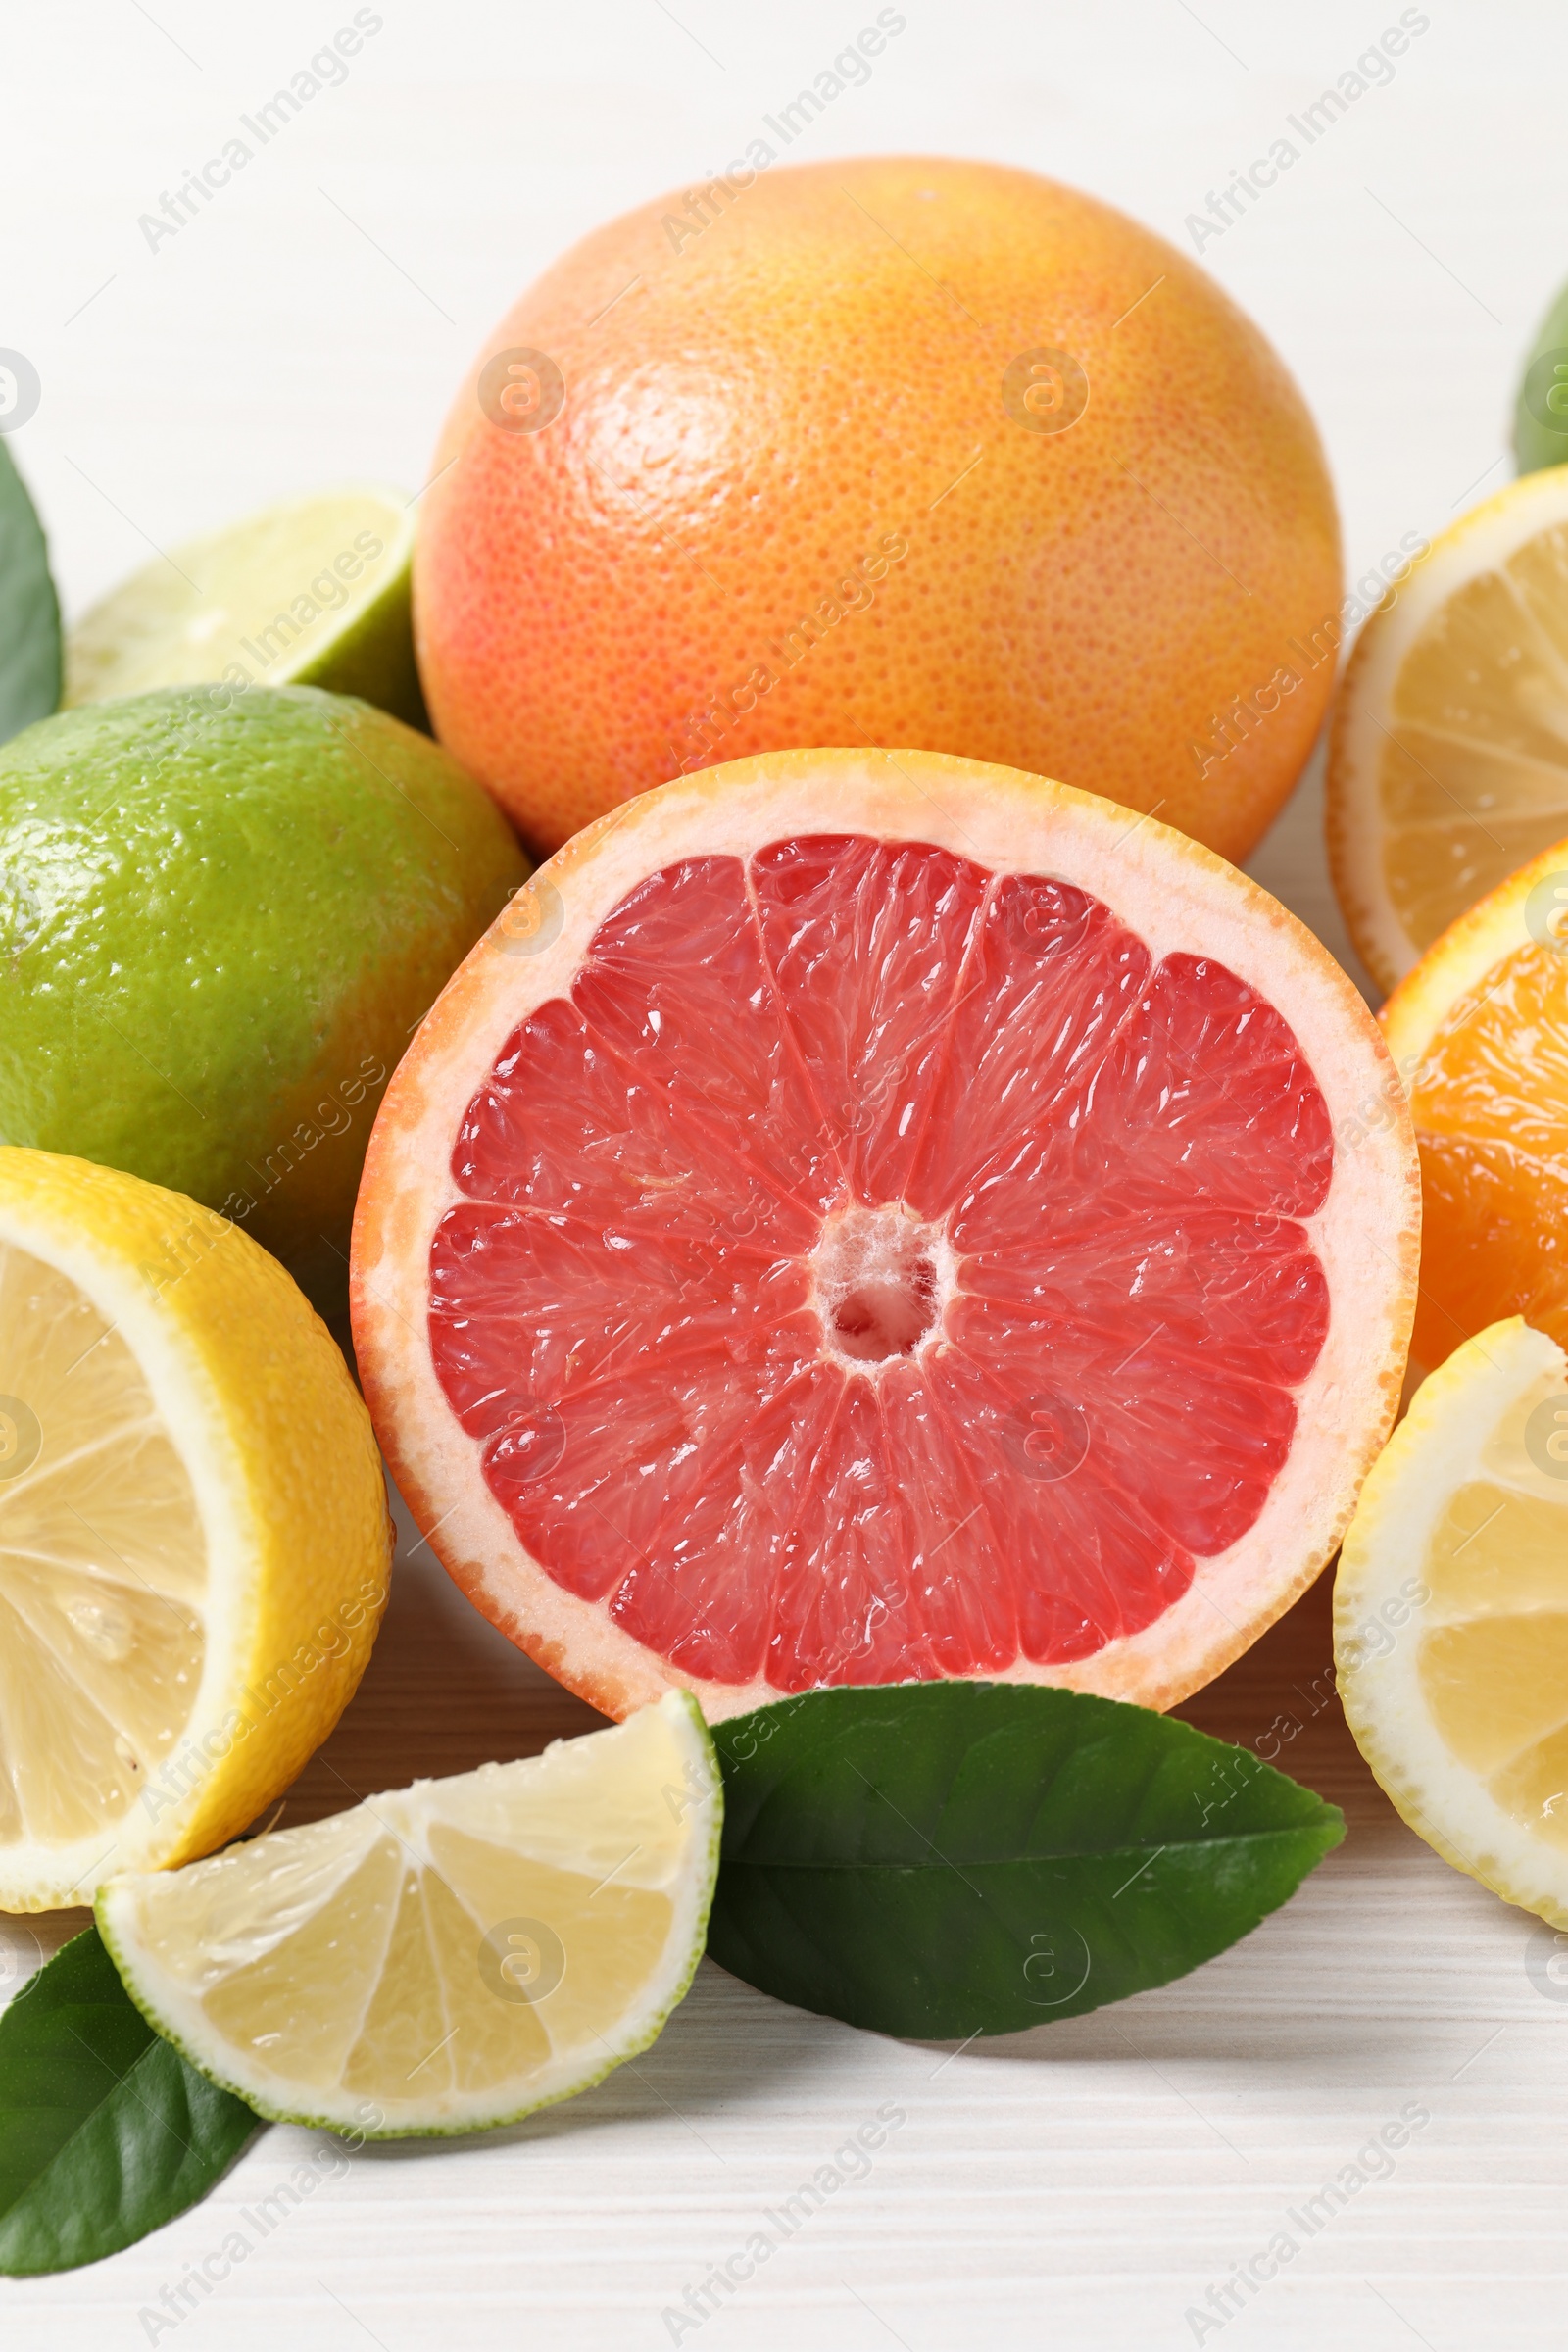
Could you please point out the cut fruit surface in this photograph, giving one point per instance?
(194, 1541)
(882, 1219)
(447, 1956)
(312, 592)
(1448, 764)
(1451, 1611)
(1479, 1031)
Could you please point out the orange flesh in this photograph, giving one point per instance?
(878, 1267)
(1491, 1108)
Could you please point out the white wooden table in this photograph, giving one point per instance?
(1087, 2184)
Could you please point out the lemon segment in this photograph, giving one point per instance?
(194, 1540)
(312, 592)
(1451, 1611)
(448, 1956)
(1448, 764)
(103, 1557)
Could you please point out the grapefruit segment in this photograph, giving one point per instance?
(859, 1252)
(867, 943)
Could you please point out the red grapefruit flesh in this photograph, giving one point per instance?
(866, 1217)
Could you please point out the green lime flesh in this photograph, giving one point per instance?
(222, 915)
(312, 591)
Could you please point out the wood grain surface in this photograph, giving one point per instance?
(1082, 2184)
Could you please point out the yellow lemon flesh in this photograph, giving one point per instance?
(1451, 1610)
(447, 1956)
(1448, 764)
(194, 1538)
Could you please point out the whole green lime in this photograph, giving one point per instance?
(221, 913)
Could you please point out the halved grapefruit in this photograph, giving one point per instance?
(862, 1216)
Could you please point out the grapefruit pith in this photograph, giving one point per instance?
(892, 449)
(870, 1215)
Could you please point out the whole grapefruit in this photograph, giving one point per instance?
(897, 451)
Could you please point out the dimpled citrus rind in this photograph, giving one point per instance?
(892, 450)
(221, 916)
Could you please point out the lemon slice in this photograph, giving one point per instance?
(1448, 763)
(313, 591)
(194, 1538)
(1450, 1616)
(448, 1956)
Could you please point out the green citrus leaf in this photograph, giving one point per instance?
(944, 1859)
(29, 610)
(1541, 404)
(105, 2132)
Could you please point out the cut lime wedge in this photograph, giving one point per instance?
(449, 1957)
(313, 592)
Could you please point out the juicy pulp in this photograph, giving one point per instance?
(877, 1267)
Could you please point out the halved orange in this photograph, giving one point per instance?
(862, 1216)
(1479, 1031)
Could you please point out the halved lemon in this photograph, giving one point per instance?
(1450, 1616)
(1448, 763)
(312, 592)
(448, 1956)
(194, 1538)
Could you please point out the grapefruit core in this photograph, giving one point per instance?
(862, 1217)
